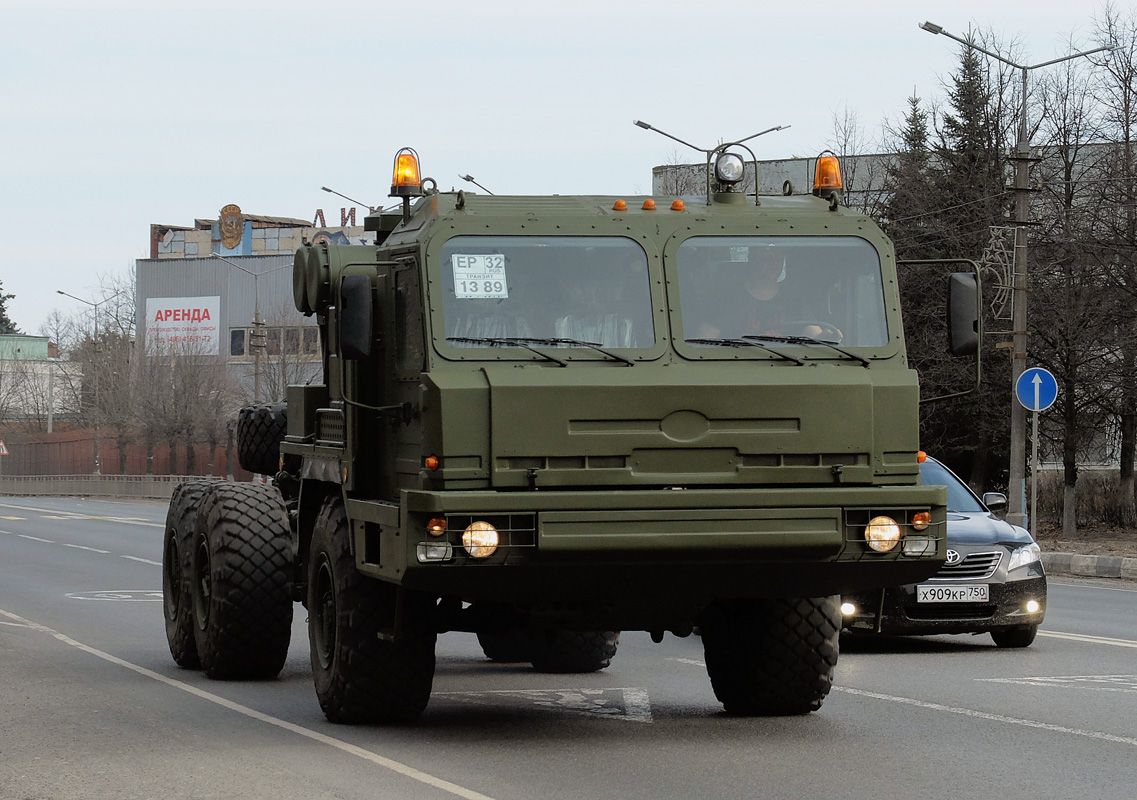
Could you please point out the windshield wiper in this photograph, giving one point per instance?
(555, 341)
(810, 340)
(748, 341)
(508, 341)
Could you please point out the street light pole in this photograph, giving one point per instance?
(95, 343)
(1021, 284)
(257, 339)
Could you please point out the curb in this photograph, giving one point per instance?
(1090, 566)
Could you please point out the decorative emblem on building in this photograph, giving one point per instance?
(232, 226)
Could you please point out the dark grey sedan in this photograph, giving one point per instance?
(993, 581)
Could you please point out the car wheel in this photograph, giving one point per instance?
(242, 581)
(772, 656)
(1015, 637)
(359, 676)
(177, 581)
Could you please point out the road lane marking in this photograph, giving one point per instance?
(13, 518)
(84, 547)
(346, 747)
(119, 595)
(54, 513)
(1094, 683)
(629, 705)
(967, 712)
(142, 560)
(1081, 637)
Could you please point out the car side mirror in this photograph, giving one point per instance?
(356, 320)
(996, 502)
(963, 314)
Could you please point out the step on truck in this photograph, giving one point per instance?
(547, 420)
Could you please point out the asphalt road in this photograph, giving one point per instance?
(92, 706)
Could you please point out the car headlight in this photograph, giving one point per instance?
(882, 534)
(1025, 555)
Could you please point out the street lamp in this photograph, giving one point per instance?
(257, 339)
(370, 209)
(95, 341)
(1017, 472)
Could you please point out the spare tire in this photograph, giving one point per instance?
(260, 430)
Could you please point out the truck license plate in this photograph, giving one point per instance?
(951, 594)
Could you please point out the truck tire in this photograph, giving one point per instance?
(1015, 637)
(506, 647)
(177, 547)
(573, 651)
(242, 566)
(360, 677)
(260, 430)
(772, 657)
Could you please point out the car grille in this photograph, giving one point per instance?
(950, 611)
(975, 566)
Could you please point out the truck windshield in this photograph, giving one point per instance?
(565, 291)
(826, 288)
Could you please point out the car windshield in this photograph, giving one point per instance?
(546, 291)
(959, 497)
(827, 288)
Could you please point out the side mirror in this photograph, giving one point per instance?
(996, 502)
(356, 320)
(963, 314)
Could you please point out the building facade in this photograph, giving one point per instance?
(222, 289)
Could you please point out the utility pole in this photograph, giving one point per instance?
(98, 369)
(1016, 485)
(258, 335)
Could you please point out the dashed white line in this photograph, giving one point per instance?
(35, 538)
(967, 712)
(346, 747)
(1081, 637)
(143, 560)
(84, 547)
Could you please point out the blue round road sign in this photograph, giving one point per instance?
(1036, 389)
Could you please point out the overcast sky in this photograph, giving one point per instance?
(116, 115)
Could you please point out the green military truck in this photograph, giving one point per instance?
(547, 420)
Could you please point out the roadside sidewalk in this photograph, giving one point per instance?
(1090, 566)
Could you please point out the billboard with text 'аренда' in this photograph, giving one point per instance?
(184, 324)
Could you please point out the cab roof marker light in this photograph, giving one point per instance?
(405, 179)
(827, 180)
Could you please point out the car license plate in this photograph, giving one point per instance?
(976, 593)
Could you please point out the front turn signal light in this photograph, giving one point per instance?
(921, 520)
(437, 526)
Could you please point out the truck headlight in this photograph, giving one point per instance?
(882, 534)
(480, 539)
(729, 168)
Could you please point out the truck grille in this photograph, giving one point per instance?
(516, 531)
(329, 426)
